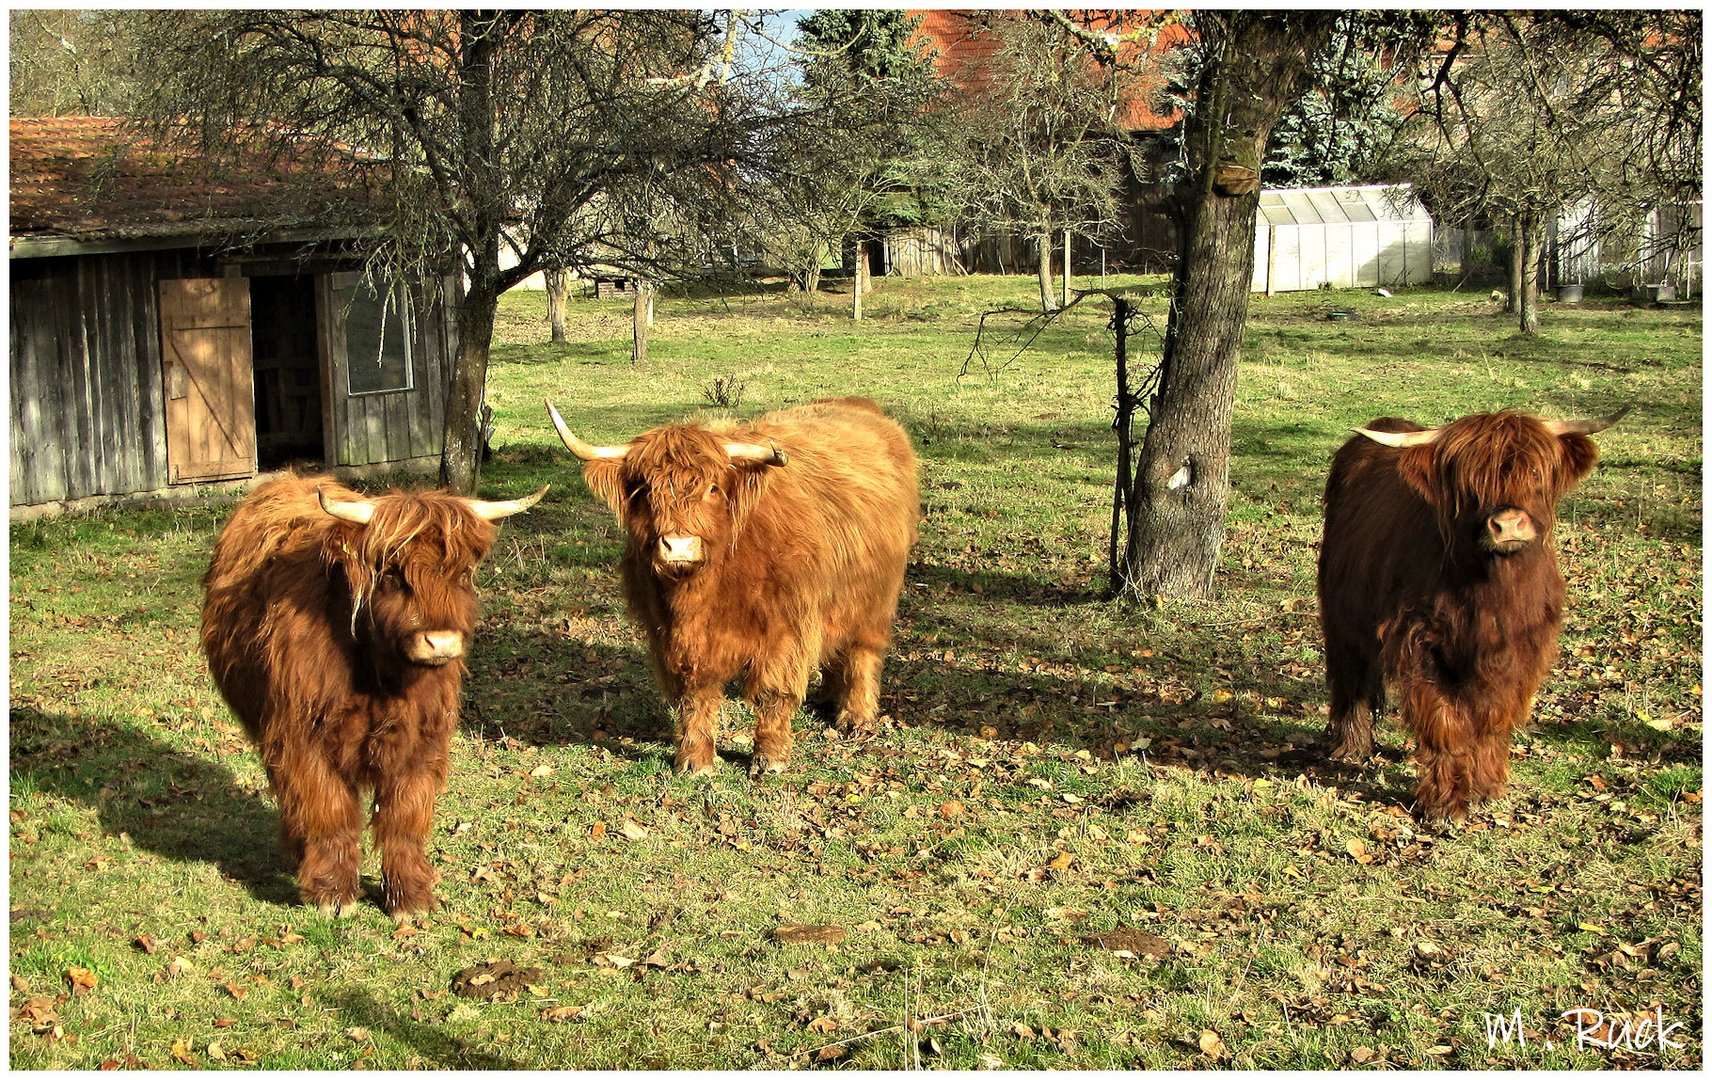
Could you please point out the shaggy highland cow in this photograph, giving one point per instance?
(769, 549)
(335, 627)
(1438, 577)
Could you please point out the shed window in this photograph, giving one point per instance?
(377, 339)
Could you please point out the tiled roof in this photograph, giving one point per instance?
(92, 178)
(965, 52)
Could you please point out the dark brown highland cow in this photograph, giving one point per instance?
(335, 626)
(768, 549)
(1438, 577)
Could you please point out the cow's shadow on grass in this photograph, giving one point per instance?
(425, 1038)
(604, 695)
(176, 804)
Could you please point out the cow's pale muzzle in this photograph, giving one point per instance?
(680, 552)
(434, 648)
(1509, 530)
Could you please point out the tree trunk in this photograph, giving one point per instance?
(1043, 269)
(460, 459)
(558, 288)
(1528, 226)
(639, 322)
(861, 280)
(811, 279)
(1257, 64)
(1064, 297)
(1513, 301)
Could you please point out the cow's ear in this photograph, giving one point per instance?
(1419, 468)
(1578, 455)
(605, 477)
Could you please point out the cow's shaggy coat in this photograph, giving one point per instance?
(769, 550)
(339, 646)
(1437, 576)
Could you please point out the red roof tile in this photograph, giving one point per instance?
(964, 52)
(93, 178)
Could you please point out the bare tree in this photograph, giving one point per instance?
(550, 133)
(1044, 134)
(1522, 117)
(68, 62)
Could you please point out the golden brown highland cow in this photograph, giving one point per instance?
(335, 626)
(769, 549)
(1438, 577)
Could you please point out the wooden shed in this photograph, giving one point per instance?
(170, 332)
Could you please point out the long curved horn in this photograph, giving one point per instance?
(756, 453)
(586, 451)
(493, 511)
(358, 512)
(1399, 439)
(1585, 427)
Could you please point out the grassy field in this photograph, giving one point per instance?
(1090, 836)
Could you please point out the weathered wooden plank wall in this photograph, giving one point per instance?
(86, 386)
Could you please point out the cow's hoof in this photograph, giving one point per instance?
(690, 768)
(1347, 753)
(337, 909)
(851, 726)
(403, 917)
(761, 765)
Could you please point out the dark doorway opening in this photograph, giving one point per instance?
(289, 422)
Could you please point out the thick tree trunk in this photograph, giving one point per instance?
(460, 460)
(1258, 63)
(1043, 269)
(1530, 231)
(558, 288)
(1177, 523)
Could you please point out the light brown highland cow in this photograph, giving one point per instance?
(768, 550)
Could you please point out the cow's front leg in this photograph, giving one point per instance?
(774, 710)
(776, 689)
(698, 728)
(403, 817)
(321, 821)
(1445, 750)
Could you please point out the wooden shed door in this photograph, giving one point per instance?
(210, 382)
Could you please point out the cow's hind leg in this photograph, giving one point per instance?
(403, 816)
(321, 817)
(859, 707)
(1356, 689)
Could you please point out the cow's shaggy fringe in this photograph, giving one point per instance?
(304, 624)
(1410, 595)
(803, 564)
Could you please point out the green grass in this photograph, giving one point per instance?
(1058, 766)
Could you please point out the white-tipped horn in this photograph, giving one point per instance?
(493, 511)
(1399, 439)
(586, 451)
(755, 452)
(358, 512)
(1585, 427)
